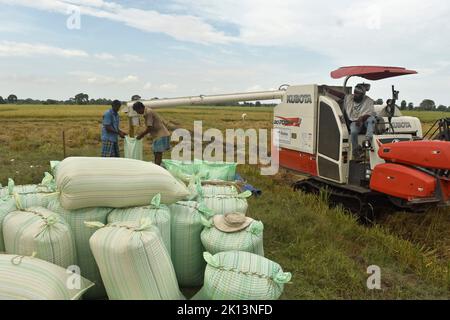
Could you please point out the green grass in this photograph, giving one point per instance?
(326, 250)
(427, 116)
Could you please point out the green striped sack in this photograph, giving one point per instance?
(30, 278)
(177, 167)
(217, 170)
(187, 248)
(86, 182)
(32, 195)
(249, 239)
(41, 231)
(54, 166)
(221, 204)
(159, 215)
(81, 234)
(207, 170)
(237, 275)
(133, 262)
(7, 205)
(212, 189)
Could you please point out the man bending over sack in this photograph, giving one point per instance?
(111, 131)
(156, 128)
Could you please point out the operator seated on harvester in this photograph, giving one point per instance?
(156, 128)
(360, 112)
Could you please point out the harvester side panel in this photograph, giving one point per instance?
(295, 119)
(426, 154)
(402, 182)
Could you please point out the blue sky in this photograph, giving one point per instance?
(186, 47)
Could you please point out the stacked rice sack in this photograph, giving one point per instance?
(112, 190)
(32, 195)
(81, 234)
(157, 213)
(39, 231)
(232, 231)
(223, 171)
(7, 205)
(13, 197)
(136, 231)
(232, 243)
(114, 182)
(238, 275)
(134, 262)
(87, 189)
(187, 248)
(30, 278)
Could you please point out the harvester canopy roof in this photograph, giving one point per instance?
(371, 72)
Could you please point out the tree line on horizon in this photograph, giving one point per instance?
(83, 99)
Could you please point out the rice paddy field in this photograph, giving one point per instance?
(326, 249)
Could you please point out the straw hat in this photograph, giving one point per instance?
(231, 222)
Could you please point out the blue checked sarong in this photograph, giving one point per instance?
(110, 149)
(161, 144)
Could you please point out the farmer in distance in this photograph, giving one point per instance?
(111, 131)
(156, 128)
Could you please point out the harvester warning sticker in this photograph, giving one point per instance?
(306, 140)
(285, 136)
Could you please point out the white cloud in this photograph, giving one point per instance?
(169, 87)
(28, 78)
(132, 58)
(346, 31)
(130, 79)
(95, 78)
(104, 56)
(22, 49)
(148, 86)
(181, 27)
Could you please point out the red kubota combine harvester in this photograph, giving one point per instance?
(402, 166)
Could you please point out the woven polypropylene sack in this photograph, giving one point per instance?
(249, 239)
(31, 195)
(187, 248)
(114, 182)
(176, 167)
(217, 170)
(40, 231)
(134, 148)
(207, 170)
(221, 204)
(159, 215)
(216, 188)
(28, 278)
(7, 205)
(81, 233)
(237, 275)
(134, 262)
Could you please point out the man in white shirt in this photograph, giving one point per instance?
(361, 114)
